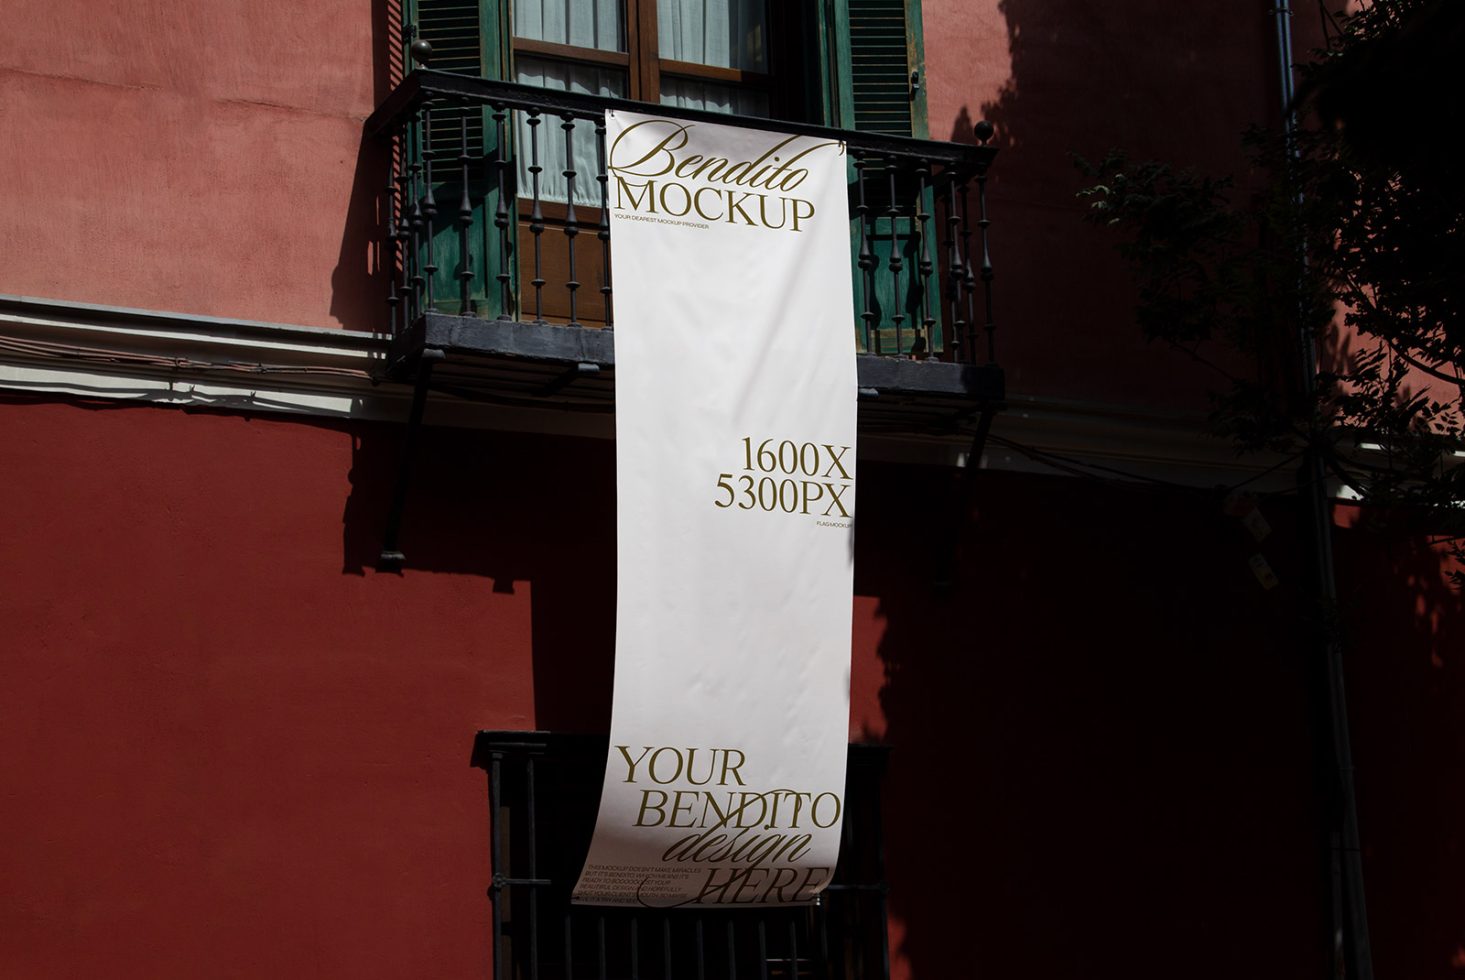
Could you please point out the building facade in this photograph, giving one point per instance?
(257, 608)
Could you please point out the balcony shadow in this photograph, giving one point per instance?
(524, 513)
(1404, 639)
(359, 280)
(1178, 84)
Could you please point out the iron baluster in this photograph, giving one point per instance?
(762, 947)
(822, 915)
(392, 257)
(533, 868)
(635, 950)
(877, 834)
(495, 836)
(924, 267)
(502, 213)
(601, 973)
(465, 220)
(402, 151)
(572, 225)
(536, 216)
(415, 254)
(866, 263)
(666, 948)
(603, 231)
(429, 207)
(968, 279)
(984, 133)
(897, 301)
(701, 948)
(569, 944)
(954, 272)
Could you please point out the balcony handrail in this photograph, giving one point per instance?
(911, 214)
(423, 85)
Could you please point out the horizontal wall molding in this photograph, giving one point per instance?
(80, 350)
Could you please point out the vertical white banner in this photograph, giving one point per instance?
(735, 479)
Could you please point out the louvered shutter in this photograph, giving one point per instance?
(465, 37)
(877, 48)
(880, 67)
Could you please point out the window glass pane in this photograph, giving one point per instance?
(584, 23)
(726, 33)
(550, 136)
(715, 97)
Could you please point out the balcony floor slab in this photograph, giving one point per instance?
(573, 369)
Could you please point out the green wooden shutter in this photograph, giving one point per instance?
(874, 48)
(871, 49)
(883, 50)
(467, 38)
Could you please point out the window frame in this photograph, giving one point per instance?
(642, 62)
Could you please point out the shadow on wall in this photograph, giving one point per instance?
(517, 510)
(358, 282)
(1102, 762)
(1180, 84)
(1404, 639)
(1160, 80)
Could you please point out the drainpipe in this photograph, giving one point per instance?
(1352, 957)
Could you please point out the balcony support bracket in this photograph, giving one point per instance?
(944, 581)
(392, 557)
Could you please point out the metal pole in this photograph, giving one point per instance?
(1350, 930)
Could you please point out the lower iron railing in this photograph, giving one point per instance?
(543, 794)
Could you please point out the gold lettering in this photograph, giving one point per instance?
(809, 214)
(728, 767)
(648, 194)
(677, 806)
(630, 765)
(647, 805)
(674, 140)
(737, 206)
(697, 202)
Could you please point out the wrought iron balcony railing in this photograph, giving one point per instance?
(542, 793)
(496, 208)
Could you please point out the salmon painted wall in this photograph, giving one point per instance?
(204, 158)
(209, 159)
(234, 748)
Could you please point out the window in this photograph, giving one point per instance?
(543, 795)
(698, 54)
(851, 64)
(844, 63)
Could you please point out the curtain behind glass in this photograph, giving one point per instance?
(587, 24)
(562, 77)
(584, 23)
(726, 33)
(694, 94)
(723, 33)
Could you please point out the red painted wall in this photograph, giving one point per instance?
(1176, 82)
(227, 753)
(232, 748)
(1404, 637)
(235, 749)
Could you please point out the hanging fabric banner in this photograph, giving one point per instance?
(735, 480)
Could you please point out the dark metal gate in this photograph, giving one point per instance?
(544, 790)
